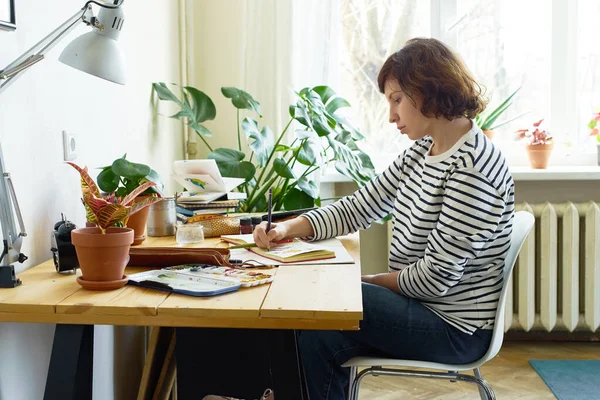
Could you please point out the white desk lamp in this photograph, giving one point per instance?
(97, 53)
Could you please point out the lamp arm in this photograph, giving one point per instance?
(36, 53)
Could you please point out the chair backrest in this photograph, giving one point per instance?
(522, 224)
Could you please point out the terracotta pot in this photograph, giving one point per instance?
(137, 222)
(539, 154)
(489, 133)
(102, 257)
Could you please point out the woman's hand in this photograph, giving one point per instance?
(264, 239)
(368, 279)
(387, 280)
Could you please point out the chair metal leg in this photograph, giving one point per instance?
(485, 390)
(351, 381)
(483, 393)
(453, 372)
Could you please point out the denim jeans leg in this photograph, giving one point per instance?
(394, 326)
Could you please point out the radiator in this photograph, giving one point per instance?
(556, 282)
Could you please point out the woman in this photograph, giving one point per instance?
(452, 200)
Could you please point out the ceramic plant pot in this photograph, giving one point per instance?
(539, 155)
(102, 257)
(137, 222)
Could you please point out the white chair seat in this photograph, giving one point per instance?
(522, 224)
(389, 362)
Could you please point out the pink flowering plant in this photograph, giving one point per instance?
(536, 135)
(594, 125)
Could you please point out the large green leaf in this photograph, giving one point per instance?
(325, 92)
(300, 114)
(310, 152)
(164, 93)
(282, 169)
(231, 164)
(346, 125)
(200, 129)
(241, 100)
(196, 107)
(349, 163)
(203, 108)
(320, 123)
(296, 199)
(309, 187)
(335, 104)
(130, 170)
(107, 180)
(261, 142)
(154, 177)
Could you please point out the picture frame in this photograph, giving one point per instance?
(8, 20)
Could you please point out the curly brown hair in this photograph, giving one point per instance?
(427, 68)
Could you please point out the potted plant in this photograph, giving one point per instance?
(593, 125)
(320, 134)
(103, 250)
(539, 144)
(122, 177)
(487, 120)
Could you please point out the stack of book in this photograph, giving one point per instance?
(188, 208)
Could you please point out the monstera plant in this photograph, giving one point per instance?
(285, 163)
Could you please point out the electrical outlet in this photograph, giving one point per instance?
(69, 146)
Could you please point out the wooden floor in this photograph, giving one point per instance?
(509, 373)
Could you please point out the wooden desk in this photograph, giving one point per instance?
(301, 297)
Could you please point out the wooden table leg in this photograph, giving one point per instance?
(70, 372)
(240, 363)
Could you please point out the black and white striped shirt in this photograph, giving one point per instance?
(452, 220)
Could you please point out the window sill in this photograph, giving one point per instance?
(566, 173)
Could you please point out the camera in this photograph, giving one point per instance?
(63, 251)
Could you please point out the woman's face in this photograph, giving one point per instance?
(403, 113)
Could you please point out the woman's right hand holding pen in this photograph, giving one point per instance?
(264, 239)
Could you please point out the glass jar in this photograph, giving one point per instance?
(189, 234)
(245, 226)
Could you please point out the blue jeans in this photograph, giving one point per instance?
(393, 326)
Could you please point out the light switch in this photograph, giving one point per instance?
(69, 146)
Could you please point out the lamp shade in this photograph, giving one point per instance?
(97, 55)
(98, 52)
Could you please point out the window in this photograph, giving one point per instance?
(548, 48)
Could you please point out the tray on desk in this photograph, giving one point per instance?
(178, 282)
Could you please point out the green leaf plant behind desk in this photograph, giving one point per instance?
(244, 335)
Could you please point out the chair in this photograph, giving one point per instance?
(522, 224)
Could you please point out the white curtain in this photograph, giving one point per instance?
(269, 48)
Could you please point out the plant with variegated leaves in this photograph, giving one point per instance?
(111, 210)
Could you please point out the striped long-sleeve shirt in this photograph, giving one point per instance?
(452, 220)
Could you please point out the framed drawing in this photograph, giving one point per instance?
(7, 15)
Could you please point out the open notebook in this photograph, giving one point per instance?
(297, 251)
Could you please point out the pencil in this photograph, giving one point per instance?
(270, 209)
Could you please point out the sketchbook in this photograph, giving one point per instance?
(330, 251)
(204, 182)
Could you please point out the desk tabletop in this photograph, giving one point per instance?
(300, 297)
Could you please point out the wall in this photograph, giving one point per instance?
(109, 120)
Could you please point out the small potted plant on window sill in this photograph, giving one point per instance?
(103, 250)
(594, 126)
(487, 120)
(122, 177)
(539, 144)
